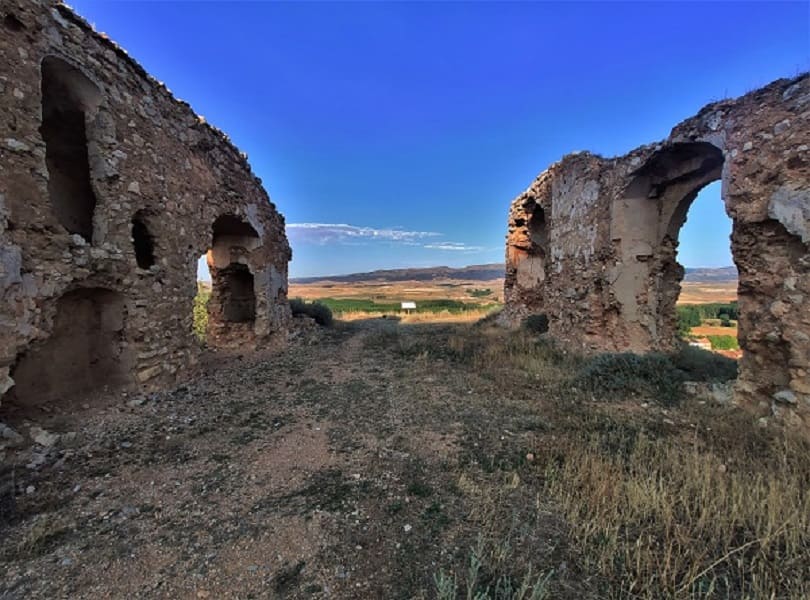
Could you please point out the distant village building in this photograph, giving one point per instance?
(701, 343)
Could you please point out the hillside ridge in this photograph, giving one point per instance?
(486, 272)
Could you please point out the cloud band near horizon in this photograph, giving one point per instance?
(322, 234)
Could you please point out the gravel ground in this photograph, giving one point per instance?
(367, 460)
(336, 469)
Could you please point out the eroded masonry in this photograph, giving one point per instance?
(110, 192)
(592, 242)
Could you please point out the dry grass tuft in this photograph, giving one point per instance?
(666, 521)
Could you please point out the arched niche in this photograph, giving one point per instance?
(68, 98)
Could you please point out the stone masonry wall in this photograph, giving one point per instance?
(72, 102)
(604, 268)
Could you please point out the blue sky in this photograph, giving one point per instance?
(396, 134)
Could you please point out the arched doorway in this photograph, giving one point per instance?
(645, 226)
(707, 307)
(230, 308)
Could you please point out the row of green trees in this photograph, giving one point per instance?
(692, 315)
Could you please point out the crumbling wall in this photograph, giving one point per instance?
(610, 278)
(107, 182)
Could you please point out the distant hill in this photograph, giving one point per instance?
(471, 273)
(487, 273)
(708, 275)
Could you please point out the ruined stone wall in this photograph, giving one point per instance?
(95, 155)
(606, 275)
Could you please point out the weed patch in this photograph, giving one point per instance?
(626, 375)
(658, 520)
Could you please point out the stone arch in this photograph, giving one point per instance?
(69, 98)
(531, 269)
(626, 213)
(85, 351)
(232, 306)
(645, 224)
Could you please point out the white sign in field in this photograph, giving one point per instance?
(409, 306)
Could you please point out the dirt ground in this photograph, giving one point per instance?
(343, 467)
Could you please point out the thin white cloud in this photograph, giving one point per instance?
(454, 247)
(342, 233)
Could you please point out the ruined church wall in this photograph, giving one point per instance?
(610, 275)
(148, 154)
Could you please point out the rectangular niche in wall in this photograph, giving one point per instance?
(84, 352)
(68, 96)
(237, 294)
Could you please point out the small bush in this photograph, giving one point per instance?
(701, 365)
(536, 323)
(317, 310)
(621, 376)
(724, 342)
(200, 318)
(482, 581)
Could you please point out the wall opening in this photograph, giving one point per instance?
(10, 21)
(649, 225)
(68, 97)
(707, 309)
(538, 229)
(229, 300)
(84, 353)
(531, 268)
(237, 294)
(202, 299)
(142, 241)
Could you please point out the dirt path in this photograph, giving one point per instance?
(346, 467)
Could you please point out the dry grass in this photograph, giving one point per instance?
(721, 512)
(668, 521)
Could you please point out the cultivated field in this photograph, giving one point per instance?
(382, 291)
(466, 301)
(691, 293)
(704, 293)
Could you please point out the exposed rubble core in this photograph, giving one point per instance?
(592, 242)
(110, 190)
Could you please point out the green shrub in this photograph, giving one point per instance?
(317, 310)
(702, 365)
(200, 312)
(626, 375)
(695, 313)
(724, 342)
(536, 323)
